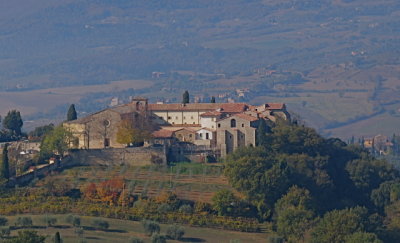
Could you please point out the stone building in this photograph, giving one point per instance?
(217, 126)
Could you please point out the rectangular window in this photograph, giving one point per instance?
(207, 136)
(169, 118)
(201, 135)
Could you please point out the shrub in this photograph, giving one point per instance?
(157, 238)
(100, 224)
(74, 220)
(275, 239)
(49, 221)
(4, 232)
(175, 232)
(150, 227)
(164, 208)
(135, 240)
(186, 208)
(3, 221)
(24, 221)
(79, 232)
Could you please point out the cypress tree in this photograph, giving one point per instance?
(261, 133)
(5, 173)
(71, 115)
(57, 237)
(185, 97)
(213, 99)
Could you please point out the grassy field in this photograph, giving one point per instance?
(122, 230)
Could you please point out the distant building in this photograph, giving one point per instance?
(218, 126)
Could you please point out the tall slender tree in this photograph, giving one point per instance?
(261, 133)
(213, 99)
(13, 122)
(57, 237)
(185, 97)
(71, 115)
(5, 173)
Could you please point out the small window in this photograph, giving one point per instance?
(173, 122)
(207, 136)
(212, 126)
(219, 124)
(176, 118)
(201, 135)
(230, 136)
(194, 122)
(190, 135)
(185, 122)
(184, 117)
(233, 123)
(242, 124)
(169, 118)
(191, 117)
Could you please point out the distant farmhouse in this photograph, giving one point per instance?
(221, 127)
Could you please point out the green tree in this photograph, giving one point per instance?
(387, 193)
(28, 236)
(57, 237)
(5, 171)
(368, 173)
(71, 115)
(158, 238)
(175, 232)
(294, 214)
(3, 221)
(224, 202)
(185, 97)
(150, 227)
(262, 133)
(362, 237)
(13, 122)
(57, 141)
(41, 131)
(336, 225)
(257, 174)
(212, 99)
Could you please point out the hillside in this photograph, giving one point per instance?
(336, 62)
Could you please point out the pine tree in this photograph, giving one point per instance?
(13, 122)
(213, 99)
(71, 115)
(5, 173)
(185, 97)
(57, 237)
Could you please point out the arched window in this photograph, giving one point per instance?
(233, 123)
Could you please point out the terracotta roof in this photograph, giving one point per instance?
(226, 107)
(246, 117)
(163, 133)
(275, 106)
(211, 114)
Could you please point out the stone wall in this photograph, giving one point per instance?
(132, 156)
(114, 156)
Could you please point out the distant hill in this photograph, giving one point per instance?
(345, 53)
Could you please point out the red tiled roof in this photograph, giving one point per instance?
(275, 106)
(163, 133)
(246, 117)
(211, 114)
(226, 107)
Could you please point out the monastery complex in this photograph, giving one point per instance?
(221, 127)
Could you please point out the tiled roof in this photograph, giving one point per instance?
(226, 107)
(246, 117)
(211, 114)
(163, 133)
(275, 106)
